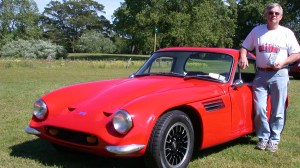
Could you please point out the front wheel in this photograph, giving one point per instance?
(172, 141)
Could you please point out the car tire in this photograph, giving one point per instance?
(172, 141)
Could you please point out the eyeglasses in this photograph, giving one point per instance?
(272, 13)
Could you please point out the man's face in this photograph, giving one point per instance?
(273, 15)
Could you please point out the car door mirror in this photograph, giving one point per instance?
(238, 83)
(131, 75)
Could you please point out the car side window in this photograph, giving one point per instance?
(162, 64)
(247, 74)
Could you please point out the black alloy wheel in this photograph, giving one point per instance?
(172, 141)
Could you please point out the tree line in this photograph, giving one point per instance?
(79, 25)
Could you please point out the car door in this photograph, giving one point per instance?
(242, 99)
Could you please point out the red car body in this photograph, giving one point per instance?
(215, 109)
(295, 69)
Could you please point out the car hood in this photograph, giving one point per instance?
(119, 92)
(112, 94)
(102, 98)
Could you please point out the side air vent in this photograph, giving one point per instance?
(213, 105)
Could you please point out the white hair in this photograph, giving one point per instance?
(273, 5)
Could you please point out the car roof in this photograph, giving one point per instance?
(206, 49)
(199, 49)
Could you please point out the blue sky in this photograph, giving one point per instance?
(109, 6)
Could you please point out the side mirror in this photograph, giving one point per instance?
(131, 75)
(238, 83)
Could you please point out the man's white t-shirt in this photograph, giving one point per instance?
(271, 46)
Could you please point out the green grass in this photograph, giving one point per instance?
(23, 81)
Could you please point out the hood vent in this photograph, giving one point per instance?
(71, 109)
(214, 105)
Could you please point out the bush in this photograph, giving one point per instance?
(94, 42)
(33, 49)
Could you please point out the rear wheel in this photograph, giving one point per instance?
(171, 142)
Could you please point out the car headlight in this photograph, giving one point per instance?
(122, 122)
(40, 109)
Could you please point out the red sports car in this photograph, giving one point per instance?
(181, 99)
(295, 69)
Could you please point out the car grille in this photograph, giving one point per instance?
(72, 136)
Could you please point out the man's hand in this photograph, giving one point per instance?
(243, 61)
(290, 59)
(278, 65)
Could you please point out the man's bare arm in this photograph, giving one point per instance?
(243, 61)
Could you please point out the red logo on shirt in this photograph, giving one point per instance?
(268, 48)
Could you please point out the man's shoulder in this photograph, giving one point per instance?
(259, 27)
(286, 29)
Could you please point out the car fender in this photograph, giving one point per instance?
(145, 121)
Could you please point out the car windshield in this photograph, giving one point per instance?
(189, 64)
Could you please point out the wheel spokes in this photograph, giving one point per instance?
(176, 144)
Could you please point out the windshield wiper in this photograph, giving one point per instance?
(161, 73)
(169, 74)
(143, 74)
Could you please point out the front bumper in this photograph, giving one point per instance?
(126, 149)
(31, 130)
(119, 150)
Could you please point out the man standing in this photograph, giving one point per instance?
(275, 47)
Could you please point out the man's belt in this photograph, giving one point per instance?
(267, 69)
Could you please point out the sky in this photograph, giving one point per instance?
(109, 6)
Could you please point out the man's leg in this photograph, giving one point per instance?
(260, 96)
(278, 90)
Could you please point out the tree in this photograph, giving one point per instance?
(125, 24)
(95, 42)
(213, 24)
(19, 19)
(65, 22)
(179, 23)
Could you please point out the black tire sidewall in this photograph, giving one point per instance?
(168, 120)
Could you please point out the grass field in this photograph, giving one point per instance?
(22, 82)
